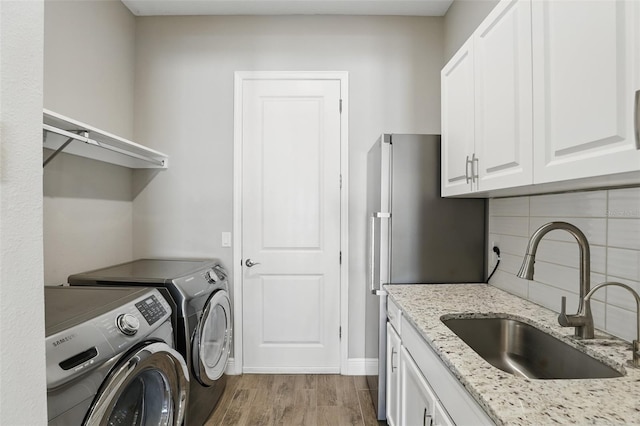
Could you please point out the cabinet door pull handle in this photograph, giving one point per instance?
(426, 416)
(636, 119)
(393, 366)
(467, 177)
(474, 168)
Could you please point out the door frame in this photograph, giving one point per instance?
(236, 364)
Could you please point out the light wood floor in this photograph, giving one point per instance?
(287, 400)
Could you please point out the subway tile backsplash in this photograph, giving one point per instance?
(585, 204)
(611, 221)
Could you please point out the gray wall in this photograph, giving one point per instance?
(88, 76)
(89, 58)
(184, 107)
(461, 20)
(168, 83)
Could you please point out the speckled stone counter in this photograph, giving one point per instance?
(512, 400)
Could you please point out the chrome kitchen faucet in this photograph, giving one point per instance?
(583, 319)
(635, 345)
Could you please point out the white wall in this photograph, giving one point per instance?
(610, 220)
(89, 59)
(461, 20)
(184, 107)
(22, 352)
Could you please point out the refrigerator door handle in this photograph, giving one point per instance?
(372, 248)
(372, 244)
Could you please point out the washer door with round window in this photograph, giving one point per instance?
(212, 339)
(148, 386)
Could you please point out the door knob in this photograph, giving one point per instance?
(249, 263)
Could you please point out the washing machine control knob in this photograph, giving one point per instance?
(128, 324)
(212, 277)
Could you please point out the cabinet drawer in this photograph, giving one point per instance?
(394, 314)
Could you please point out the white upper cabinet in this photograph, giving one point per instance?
(503, 97)
(636, 49)
(555, 91)
(457, 121)
(585, 75)
(486, 105)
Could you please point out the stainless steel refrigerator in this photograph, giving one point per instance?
(414, 235)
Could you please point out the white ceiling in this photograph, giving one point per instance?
(288, 7)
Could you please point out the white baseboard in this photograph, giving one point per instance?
(290, 370)
(362, 367)
(231, 369)
(354, 367)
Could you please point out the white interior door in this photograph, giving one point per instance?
(291, 225)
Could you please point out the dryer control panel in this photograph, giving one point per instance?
(151, 309)
(87, 344)
(202, 282)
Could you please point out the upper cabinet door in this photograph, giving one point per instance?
(503, 97)
(458, 121)
(585, 78)
(636, 72)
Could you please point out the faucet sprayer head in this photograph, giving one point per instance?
(583, 320)
(526, 270)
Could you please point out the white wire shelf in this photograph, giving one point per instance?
(63, 134)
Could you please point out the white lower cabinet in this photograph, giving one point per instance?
(440, 416)
(421, 390)
(419, 405)
(393, 376)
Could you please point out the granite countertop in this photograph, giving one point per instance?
(512, 400)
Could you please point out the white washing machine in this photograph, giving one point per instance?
(110, 359)
(200, 290)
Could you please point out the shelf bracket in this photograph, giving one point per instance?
(72, 136)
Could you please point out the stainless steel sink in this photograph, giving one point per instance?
(524, 350)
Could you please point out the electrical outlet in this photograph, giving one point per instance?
(495, 246)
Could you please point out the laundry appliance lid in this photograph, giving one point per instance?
(145, 271)
(66, 307)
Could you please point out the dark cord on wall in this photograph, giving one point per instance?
(496, 250)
